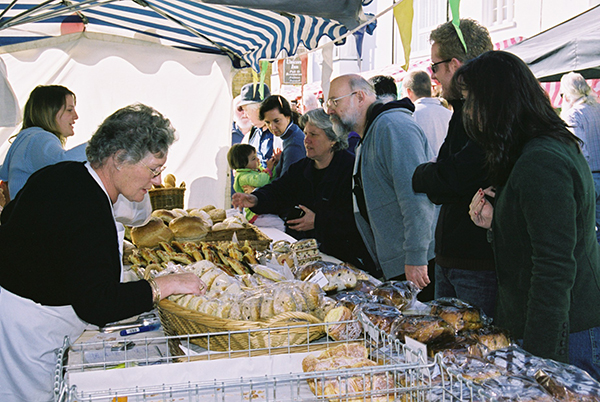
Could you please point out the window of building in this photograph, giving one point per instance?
(498, 13)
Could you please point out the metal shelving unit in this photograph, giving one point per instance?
(157, 369)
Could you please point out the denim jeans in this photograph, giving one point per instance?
(478, 288)
(597, 188)
(584, 351)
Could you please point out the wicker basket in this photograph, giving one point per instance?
(166, 198)
(257, 239)
(177, 320)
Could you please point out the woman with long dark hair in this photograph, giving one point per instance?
(543, 226)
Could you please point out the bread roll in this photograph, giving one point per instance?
(209, 307)
(219, 284)
(210, 275)
(207, 208)
(269, 273)
(339, 331)
(195, 302)
(165, 214)
(312, 294)
(217, 215)
(169, 181)
(223, 309)
(283, 301)
(151, 234)
(179, 212)
(235, 311)
(251, 308)
(188, 228)
(266, 307)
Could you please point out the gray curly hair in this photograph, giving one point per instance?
(130, 134)
(319, 118)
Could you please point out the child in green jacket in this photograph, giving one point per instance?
(248, 172)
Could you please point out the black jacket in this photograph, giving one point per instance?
(452, 181)
(59, 247)
(330, 200)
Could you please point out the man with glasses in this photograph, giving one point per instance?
(464, 259)
(396, 224)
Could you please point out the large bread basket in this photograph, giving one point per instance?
(250, 233)
(276, 332)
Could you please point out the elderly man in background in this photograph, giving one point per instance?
(429, 113)
(464, 259)
(581, 111)
(396, 224)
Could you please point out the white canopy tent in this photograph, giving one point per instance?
(107, 72)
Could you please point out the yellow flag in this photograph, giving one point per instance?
(403, 13)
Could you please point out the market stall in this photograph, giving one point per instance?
(283, 324)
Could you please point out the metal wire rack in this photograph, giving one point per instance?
(174, 368)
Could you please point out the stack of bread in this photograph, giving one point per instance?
(231, 257)
(184, 225)
(250, 297)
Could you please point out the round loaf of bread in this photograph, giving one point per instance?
(217, 215)
(188, 228)
(208, 208)
(165, 214)
(151, 234)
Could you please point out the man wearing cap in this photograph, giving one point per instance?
(259, 137)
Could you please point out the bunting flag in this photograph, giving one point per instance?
(359, 36)
(264, 65)
(454, 6)
(327, 69)
(403, 14)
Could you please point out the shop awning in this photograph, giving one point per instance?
(246, 35)
(570, 46)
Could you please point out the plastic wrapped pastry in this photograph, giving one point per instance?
(401, 294)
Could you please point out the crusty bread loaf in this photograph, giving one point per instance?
(207, 208)
(151, 234)
(165, 214)
(188, 228)
(217, 215)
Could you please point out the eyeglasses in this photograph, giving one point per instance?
(434, 66)
(156, 171)
(333, 102)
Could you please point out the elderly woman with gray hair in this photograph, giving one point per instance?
(320, 186)
(581, 111)
(61, 263)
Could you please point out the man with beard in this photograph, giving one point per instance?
(396, 224)
(464, 260)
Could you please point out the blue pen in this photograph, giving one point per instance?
(137, 330)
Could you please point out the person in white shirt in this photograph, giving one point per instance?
(429, 112)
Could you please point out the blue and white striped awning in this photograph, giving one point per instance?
(247, 35)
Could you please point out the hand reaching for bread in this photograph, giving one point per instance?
(243, 200)
(187, 283)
